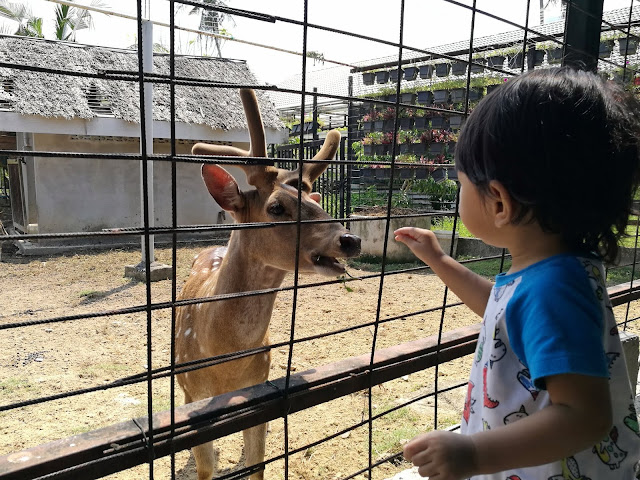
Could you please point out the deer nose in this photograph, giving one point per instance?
(350, 244)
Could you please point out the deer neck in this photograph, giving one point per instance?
(242, 271)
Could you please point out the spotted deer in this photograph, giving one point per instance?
(254, 259)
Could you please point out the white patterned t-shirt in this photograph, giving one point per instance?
(553, 317)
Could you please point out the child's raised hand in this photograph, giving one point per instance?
(442, 455)
(423, 243)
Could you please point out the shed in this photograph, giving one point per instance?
(49, 110)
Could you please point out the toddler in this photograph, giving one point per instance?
(548, 164)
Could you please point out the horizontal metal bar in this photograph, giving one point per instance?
(113, 448)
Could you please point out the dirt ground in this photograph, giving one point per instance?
(51, 358)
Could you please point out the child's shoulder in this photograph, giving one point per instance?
(559, 275)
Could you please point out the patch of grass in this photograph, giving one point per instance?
(372, 263)
(487, 268)
(110, 370)
(14, 385)
(394, 429)
(446, 223)
(91, 294)
(618, 275)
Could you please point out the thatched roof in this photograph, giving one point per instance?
(68, 97)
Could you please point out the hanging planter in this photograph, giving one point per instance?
(368, 149)
(382, 76)
(436, 148)
(452, 173)
(554, 55)
(458, 68)
(367, 126)
(442, 69)
(606, 48)
(535, 58)
(477, 66)
(368, 78)
(425, 98)
(426, 71)
(474, 94)
(389, 125)
(440, 96)
(408, 98)
(406, 123)
(497, 61)
(515, 60)
(419, 148)
(410, 73)
(420, 123)
(296, 129)
(458, 94)
(439, 122)
(451, 149)
(378, 125)
(404, 147)
(437, 174)
(392, 98)
(455, 121)
(393, 75)
(628, 46)
(379, 149)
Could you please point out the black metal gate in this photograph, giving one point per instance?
(333, 184)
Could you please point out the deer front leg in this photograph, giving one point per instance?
(203, 454)
(254, 446)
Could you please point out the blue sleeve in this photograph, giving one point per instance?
(555, 325)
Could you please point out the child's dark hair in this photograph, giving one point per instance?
(565, 144)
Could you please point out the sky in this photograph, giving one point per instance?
(426, 23)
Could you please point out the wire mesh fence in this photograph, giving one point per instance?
(358, 361)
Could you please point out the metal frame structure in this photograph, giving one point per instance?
(118, 447)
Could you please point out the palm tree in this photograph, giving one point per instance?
(28, 24)
(67, 22)
(211, 21)
(71, 19)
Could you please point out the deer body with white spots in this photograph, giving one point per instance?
(255, 259)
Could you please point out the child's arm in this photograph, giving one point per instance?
(471, 288)
(579, 416)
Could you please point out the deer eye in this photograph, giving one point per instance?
(276, 209)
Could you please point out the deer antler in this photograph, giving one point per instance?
(327, 152)
(258, 174)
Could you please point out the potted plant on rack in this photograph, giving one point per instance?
(388, 116)
(628, 45)
(426, 71)
(535, 57)
(420, 142)
(425, 97)
(382, 76)
(439, 121)
(606, 44)
(393, 75)
(368, 121)
(442, 69)
(368, 78)
(458, 95)
(406, 118)
(458, 68)
(478, 65)
(420, 119)
(404, 141)
(408, 97)
(386, 141)
(410, 73)
(495, 61)
(367, 145)
(378, 121)
(440, 97)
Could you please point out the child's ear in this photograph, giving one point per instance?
(501, 204)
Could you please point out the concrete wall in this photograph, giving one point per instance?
(82, 195)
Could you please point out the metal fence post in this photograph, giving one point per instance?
(582, 34)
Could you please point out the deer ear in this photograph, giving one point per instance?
(222, 187)
(315, 196)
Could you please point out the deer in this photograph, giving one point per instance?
(254, 259)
